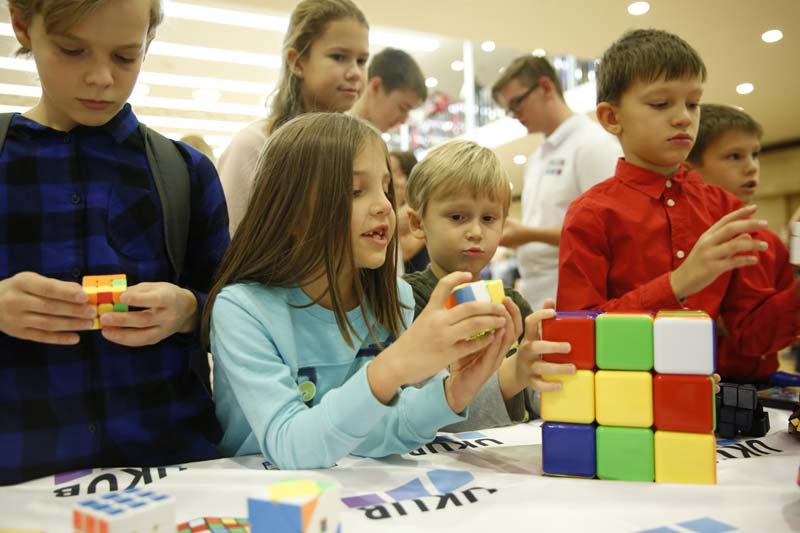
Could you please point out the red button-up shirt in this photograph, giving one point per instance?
(623, 237)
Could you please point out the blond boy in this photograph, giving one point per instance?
(458, 198)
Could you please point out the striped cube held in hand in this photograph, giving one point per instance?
(104, 292)
(477, 291)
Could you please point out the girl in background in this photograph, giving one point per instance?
(307, 319)
(325, 52)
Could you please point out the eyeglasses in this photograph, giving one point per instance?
(515, 102)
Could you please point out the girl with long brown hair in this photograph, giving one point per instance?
(306, 317)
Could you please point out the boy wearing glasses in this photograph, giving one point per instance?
(575, 155)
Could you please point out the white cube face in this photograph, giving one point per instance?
(683, 345)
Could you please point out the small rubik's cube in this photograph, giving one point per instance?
(296, 506)
(740, 411)
(477, 291)
(215, 525)
(130, 511)
(104, 292)
(615, 419)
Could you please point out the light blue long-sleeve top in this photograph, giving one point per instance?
(287, 385)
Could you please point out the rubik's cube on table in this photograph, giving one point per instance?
(640, 406)
(104, 292)
(296, 506)
(477, 291)
(129, 511)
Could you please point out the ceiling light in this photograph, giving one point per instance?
(772, 36)
(431, 82)
(539, 52)
(246, 19)
(403, 40)
(206, 95)
(578, 74)
(457, 65)
(520, 159)
(744, 88)
(488, 46)
(193, 124)
(638, 8)
(141, 89)
(180, 104)
(222, 55)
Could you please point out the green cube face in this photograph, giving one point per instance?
(624, 341)
(625, 453)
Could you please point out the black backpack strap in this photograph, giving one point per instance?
(171, 176)
(5, 122)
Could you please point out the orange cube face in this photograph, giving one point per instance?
(104, 292)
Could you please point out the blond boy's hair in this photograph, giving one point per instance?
(60, 15)
(715, 120)
(645, 55)
(454, 167)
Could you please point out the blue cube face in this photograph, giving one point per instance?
(568, 449)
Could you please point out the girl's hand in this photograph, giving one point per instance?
(438, 337)
(468, 374)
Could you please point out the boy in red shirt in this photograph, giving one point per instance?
(726, 155)
(654, 236)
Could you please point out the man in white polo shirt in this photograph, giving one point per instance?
(575, 154)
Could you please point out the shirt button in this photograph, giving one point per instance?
(76, 198)
(680, 254)
(92, 428)
(66, 139)
(76, 272)
(669, 183)
(671, 202)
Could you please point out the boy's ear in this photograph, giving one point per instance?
(21, 28)
(293, 60)
(375, 84)
(415, 224)
(547, 86)
(607, 117)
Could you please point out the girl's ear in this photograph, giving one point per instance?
(293, 59)
(608, 118)
(21, 28)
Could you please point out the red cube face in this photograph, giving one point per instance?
(105, 298)
(683, 403)
(576, 330)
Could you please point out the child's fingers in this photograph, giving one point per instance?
(741, 244)
(445, 286)
(470, 326)
(54, 308)
(49, 337)
(549, 303)
(51, 289)
(149, 295)
(545, 368)
(737, 227)
(536, 349)
(742, 213)
(51, 323)
(533, 321)
(541, 385)
(467, 310)
(466, 346)
(133, 336)
(130, 319)
(515, 315)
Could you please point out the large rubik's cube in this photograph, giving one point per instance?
(104, 292)
(129, 511)
(640, 406)
(296, 506)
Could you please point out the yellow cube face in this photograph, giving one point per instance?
(574, 402)
(104, 308)
(624, 398)
(685, 457)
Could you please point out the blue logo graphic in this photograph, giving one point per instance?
(701, 525)
(443, 481)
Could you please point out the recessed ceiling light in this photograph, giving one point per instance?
(539, 52)
(772, 36)
(431, 82)
(744, 88)
(457, 65)
(488, 46)
(638, 8)
(520, 159)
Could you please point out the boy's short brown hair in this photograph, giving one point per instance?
(398, 70)
(528, 70)
(60, 15)
(645, 55)
(457, 166)
(715, 120)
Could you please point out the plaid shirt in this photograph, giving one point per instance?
(84, 202)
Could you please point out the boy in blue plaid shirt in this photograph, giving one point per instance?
(77, 197)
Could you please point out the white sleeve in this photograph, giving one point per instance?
(597, 161)
(237, 166)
